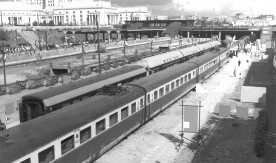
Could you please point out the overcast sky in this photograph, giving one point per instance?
(203, 7)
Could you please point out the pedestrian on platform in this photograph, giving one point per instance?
(239, 63)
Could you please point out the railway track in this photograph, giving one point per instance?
(35, 60)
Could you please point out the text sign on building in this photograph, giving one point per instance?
(191, 119)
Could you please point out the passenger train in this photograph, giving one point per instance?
(37, 104)
(82, 132)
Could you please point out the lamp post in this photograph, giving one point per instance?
(2, 18)
(124, 51)
(199, 35)
(151, 46)
(99, 54)
(4, 60)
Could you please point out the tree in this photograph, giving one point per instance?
(51, 23)
(35, 23)
(3, 35)
(252, 38)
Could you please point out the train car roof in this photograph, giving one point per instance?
(29, 136)
(158, 79)
(160, 59)
(62, 93)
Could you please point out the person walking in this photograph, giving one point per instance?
(239, 63)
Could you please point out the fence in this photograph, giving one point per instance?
(38, 55)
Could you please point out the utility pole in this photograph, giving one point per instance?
(82, 53)
(99, 54)
(124, 50)
(2, 18)
(151, 46)
(4, 60)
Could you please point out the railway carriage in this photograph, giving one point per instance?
(84, 131)
(44, 102)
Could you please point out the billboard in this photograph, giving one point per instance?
(191, 119)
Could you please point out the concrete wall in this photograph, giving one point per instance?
(253, 94)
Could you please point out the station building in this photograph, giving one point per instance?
(68, 12)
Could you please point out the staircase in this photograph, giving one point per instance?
(31, 37)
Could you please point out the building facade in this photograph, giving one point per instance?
(68, 12)
(133, 13)
(18, 13)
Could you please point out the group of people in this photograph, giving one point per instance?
(20, 49)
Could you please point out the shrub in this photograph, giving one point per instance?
(261, 135)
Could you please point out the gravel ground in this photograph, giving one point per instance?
(156, 141)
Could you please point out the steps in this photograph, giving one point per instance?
(31, 37)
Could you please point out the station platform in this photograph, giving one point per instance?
(262, 74)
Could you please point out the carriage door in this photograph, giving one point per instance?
(77, 138)
(149, 101)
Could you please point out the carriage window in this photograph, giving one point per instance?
(113, 119)
(124, 113)
(67, 144)
(167, 88)
(177, 83)
(172, 85)
(133, 108)
(141, 103)
(100, 126)
(193, 73)
(26, 161)
(161, 92)
(85, 134)
(47, 155)
(181, 80)
(189, 76)
(155, 95)
(201, 70)
(148, 98)
(186, 79)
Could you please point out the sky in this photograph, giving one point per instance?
(203, 7)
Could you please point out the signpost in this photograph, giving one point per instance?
(190, 123)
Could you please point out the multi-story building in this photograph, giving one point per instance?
(68, 12)
(87, 12)
(133, 13)
(18, 13)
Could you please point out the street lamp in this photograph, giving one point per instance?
(99, 54)
(2, 51)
